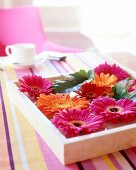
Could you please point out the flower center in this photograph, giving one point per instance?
(77, 123)
(63, 104)
(35, 88)
(114, 109)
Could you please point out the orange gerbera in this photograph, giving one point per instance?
(53, 103)
(104, 80)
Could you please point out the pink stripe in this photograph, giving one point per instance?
(88, 164)
(72, 68)
(20, 72)
(131, 155)
(85, 61)
(66, 66)
(51, 160)
(115, 162)
(100, 163)
(91, 61)
(58, 67)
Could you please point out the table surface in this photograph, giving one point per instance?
(21, 148)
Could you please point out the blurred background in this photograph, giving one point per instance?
(109, 24)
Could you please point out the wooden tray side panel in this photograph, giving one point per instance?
(98, 146)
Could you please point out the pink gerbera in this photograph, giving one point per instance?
(112, 69)
(123, 110)
(76, 122)
(133, 85)
(34, 85)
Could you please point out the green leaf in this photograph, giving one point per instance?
(121, 89)
(72, 80)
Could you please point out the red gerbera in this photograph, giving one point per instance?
(76, 122)
(91, 91)
(35, 85)
(112, 69)
(123, 110)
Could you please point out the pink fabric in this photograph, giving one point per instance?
(23, 24)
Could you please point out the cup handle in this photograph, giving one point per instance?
(8, 50)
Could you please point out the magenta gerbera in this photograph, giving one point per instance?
(76, 122)
(34, 85)
(123, 110)
(112, 69)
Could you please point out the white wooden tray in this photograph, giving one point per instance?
(70, 150)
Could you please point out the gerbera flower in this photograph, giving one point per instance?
(123, 110)
(104, 80)
(53, 103)
(91, 91)
(35, 85)
(76, 122)
(133, 85)
(111, 69)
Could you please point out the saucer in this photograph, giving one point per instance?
(38, 59)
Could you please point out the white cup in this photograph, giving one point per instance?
(21, 53)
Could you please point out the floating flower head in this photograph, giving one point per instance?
(104, 80)
(133, 85)
(35, 85)
(53, 103)
(123, 110)
(111, 69)
(92, 91)
(76, 122)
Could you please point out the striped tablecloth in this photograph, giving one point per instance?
(21, 148)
